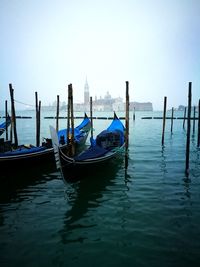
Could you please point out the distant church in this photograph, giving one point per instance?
(86, 93)
(108, 103)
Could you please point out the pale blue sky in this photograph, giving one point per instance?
(155, 45)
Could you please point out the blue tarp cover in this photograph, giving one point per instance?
(63, 132)
(91, 152)
(95, 151)
(77, 130)
(3, 125)
(21, 151)
(106, 133)
(83, 123)
(116, 125)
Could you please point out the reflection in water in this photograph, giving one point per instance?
(87, 195)
(126, 175)
(163, 165)
(186, 184)
(12, 182)
(197, 163)
(17, 187)
(186, 200)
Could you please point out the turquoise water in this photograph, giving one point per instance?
(147, 215)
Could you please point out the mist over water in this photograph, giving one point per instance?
(147, 215)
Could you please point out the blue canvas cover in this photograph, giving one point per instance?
(63, 132)
(77, 130)
(22, 151)
(83, 124)
(91, 153)
(116, 125)
(4, 124)
(108, 139)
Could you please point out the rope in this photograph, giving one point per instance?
(17, 101)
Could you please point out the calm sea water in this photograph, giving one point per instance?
(147, 215)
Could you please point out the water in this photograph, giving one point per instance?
(147, 215)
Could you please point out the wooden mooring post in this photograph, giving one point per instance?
(164, 120)
(198, 137)
(68, 117)
(134, 113)
(13, 116)
(70, 120)
(57, 113)
(184, 116)
(187, 162)
(37, 115)
(39, 120)
(91, 118)
(194, 110)
(127, 117)
(172, 120)
(6, 116)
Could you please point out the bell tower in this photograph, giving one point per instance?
(86, 93)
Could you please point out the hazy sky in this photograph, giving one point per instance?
(155, 45)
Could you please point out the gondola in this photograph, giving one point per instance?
(5, 125)
(106, 146)
(29, 154)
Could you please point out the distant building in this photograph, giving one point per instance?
(103, 104)
(181, 108)
(86, 93)
(118, 105)
(106, 103)
(147, 106)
